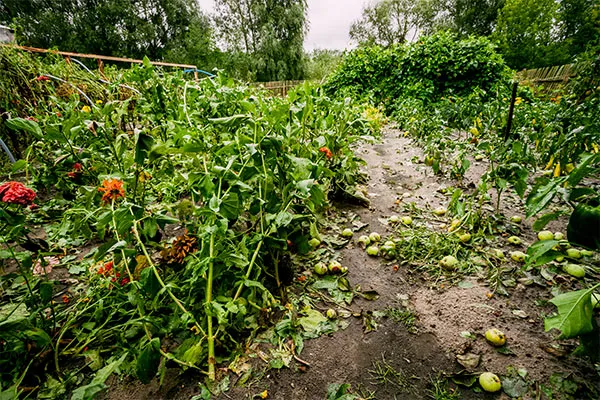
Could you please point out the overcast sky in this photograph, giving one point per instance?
(329, 22)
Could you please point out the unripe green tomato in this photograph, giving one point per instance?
(448, 262)
(390, 243)
(320, 268)
(495, 337)
(545, 235)
(364, 241)
(573, 253)
(515, 219)
(478, 157)
(574, 270)
(559, 259)
(498, 254)
(514, 240)
(314, 243)
(587, 253)
(490, 382)
(375, 237)
(335, 267)
(440, 211)
(344, 270)
(559, 236)
(465, 237)
(518, 256)
(331, 314)
(407, 220)
(373, 251)
(347, 233)
(394, 219)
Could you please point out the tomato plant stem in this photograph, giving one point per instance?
(209, 321)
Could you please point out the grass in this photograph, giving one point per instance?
(440, 390)
(383, 373)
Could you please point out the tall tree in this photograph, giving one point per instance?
(266, 35)
(131, 28)
(470, 17)
(528, 34)
(389, 22)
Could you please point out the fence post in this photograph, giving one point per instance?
(511, 110)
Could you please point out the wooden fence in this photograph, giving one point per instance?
(278, 88)
(550, 78)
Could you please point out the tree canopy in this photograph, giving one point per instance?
(130, 28)
(267, 35)
(390, 22)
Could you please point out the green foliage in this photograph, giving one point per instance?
(390, 22)
(266, 36)
(153, 28)
(435, 66)
(320, 63)
(241, 172)
(472, 17)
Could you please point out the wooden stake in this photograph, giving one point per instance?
(511, 110)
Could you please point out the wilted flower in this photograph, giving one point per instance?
(40, 269)
(112, 189)
(16, 193)
(327, 152)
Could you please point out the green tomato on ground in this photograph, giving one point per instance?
(331, 314)
(448, 262)
(440, 211)
(559, 236)
(495, 337)
(335, 267)
(407, 220)
(545, 235)
(515, 219)
(314, 243)
(573, 253)
(574, 270)
(394, 219)
(347, 233)
(373, 251)
(375, 237)
(518, 256)
(465, 237)
(514, 240)
(320, 268)
(490, 382)
(364, 241)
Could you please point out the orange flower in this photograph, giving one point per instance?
(327, 152)
(112, 189)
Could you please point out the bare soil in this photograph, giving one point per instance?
(443, 313)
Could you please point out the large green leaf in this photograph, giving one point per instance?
(574, 313)
(88, 392)
(148, 361)
(539, 198)
(21, 124)
(142, 146)
(537, 250)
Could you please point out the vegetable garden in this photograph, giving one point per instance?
(151, 224)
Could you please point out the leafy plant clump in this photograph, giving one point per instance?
(436, 66)
(174, 207)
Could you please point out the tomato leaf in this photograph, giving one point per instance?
(574, 314)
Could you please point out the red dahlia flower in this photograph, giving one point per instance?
(16, 193)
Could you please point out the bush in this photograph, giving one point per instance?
(436, 66)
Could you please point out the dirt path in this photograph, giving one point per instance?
(410, 361)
